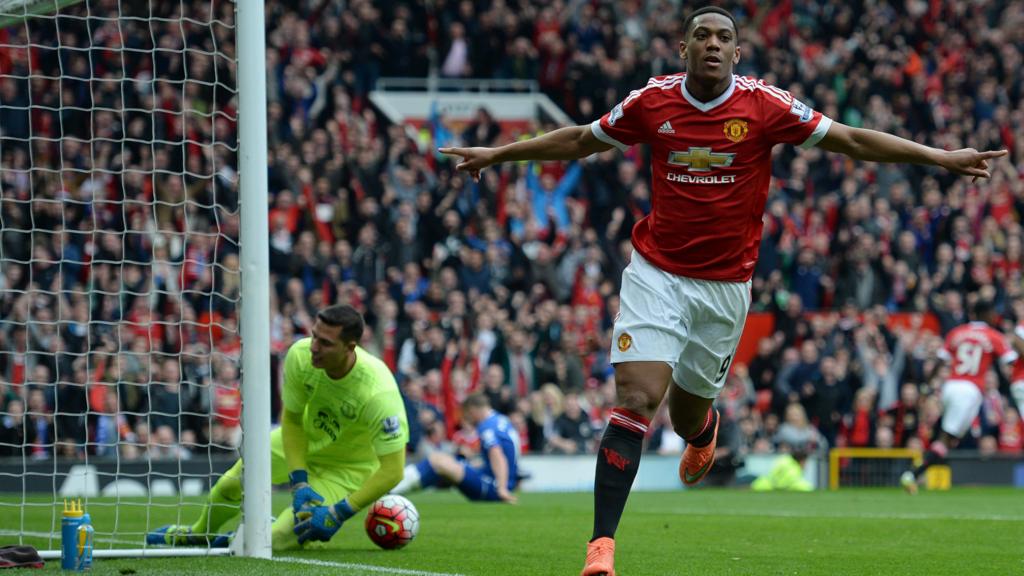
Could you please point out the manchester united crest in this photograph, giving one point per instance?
(625, 341)
(735, 129)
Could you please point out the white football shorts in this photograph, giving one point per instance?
(961, 402)
(692, 325)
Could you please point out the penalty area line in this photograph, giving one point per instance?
(362, 567)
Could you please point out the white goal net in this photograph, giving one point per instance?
(119, 263)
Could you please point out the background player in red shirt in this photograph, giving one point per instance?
(686, 291)
(1017, 377)
(970, 351)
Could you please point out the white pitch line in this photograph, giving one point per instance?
(865, 515)
(363, 567)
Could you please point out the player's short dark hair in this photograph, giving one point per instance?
(982, 308)
(476, 400)
(345, 316)
(708, 10)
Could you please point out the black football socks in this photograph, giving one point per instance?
(618, 460)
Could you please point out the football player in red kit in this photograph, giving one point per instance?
(970, 351)
(686, 291)
(1017, 341)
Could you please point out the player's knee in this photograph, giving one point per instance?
(282, 535)
(636, 398)
(437, 461)
(640, 386)
(280, 541)
(228, 488)
(442, 464)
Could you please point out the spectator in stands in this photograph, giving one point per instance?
(1011, 432)
(797, 431)
(14, 434)
(40, 419)
(572, 433)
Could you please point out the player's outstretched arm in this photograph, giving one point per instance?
(568, 143)
(392, 468)
(499, 464)
(874, 146)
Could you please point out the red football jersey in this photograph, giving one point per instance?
(971, 348)
(1018, 366)
(711, 166)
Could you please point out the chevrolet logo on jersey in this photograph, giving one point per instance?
(698, 159)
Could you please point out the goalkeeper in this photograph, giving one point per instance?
(341, 444)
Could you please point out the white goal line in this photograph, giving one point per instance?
(156, 552)
(364, 567)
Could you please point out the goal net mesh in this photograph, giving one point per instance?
(119, 269)
(870, 467)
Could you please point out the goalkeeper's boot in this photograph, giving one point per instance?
(909, 482)
(221, 540)
(175, 535)
(600, 558)
(697, 462)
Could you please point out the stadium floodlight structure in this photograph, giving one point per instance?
(133, 266)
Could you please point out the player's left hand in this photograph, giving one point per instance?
(324, 522)
(304, 497)
(970, 162)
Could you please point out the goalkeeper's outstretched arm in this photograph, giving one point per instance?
(380, 482)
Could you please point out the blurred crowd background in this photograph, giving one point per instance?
(119, 220)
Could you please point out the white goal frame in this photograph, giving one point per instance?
(254, 536)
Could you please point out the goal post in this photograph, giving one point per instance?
(134, 277)
(252, 95)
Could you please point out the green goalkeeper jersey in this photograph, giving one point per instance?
(349, 421)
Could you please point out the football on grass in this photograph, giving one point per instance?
(392, 522)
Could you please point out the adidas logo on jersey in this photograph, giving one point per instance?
(666, 128)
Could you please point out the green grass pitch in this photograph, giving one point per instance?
(855, 532)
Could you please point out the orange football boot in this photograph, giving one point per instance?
(600, 558)
(697, 462)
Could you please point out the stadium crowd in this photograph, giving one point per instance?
(120, 268)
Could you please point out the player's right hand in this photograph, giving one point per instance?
(304, 497)
(473, 159)
(323, 522)
(507, 496)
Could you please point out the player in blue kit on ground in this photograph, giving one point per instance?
(499, 446)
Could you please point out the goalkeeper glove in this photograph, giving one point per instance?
(304, 498)
(323, 522)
